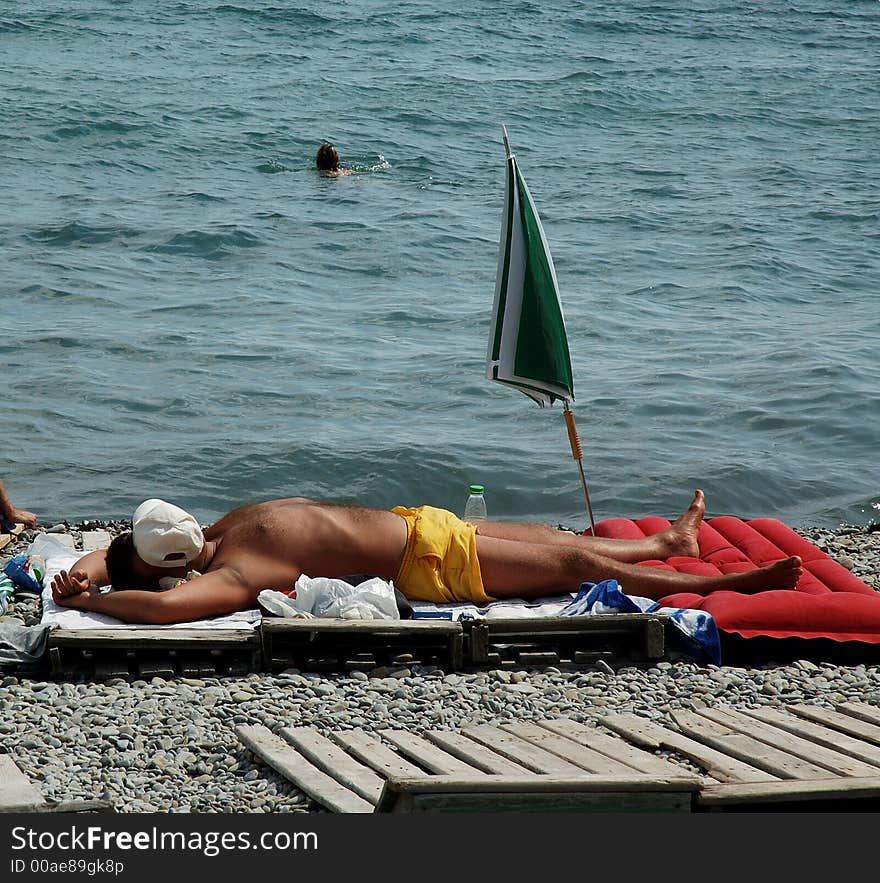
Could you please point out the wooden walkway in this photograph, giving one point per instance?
(555, 766)
(767, 758)
(19, 795)
(801, 758)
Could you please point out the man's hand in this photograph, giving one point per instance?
(22, 516)
(67, 587)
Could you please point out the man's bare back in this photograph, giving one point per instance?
(272, 544)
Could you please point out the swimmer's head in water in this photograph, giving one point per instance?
(327, 159)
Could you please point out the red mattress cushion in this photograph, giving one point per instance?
(828, 601)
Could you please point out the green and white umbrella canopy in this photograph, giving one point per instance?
(528, 346)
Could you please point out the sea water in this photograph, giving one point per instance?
(190, 311)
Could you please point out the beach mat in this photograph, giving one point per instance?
(828, 603)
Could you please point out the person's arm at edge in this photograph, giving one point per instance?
(211, 595)
(13, 514)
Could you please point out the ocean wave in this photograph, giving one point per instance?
(49, 342)
(846, 217)
(272, 167)
(198, 196)
(79, 233)
(46, 291)
(15, 26)
(208, 245)
(275, 14)
(97, 127)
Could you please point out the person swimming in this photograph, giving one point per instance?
(327, 161)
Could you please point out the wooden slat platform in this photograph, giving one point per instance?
(803, 757)
(328, 756)
(750, 759)
(19, 795)
(146, 653)
(343, 644)
(476, 755)
(14, 532)
(517, 768)
(586, 793)
(310, 779)
(510, 643)
(325, 644)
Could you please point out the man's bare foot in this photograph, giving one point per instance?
(681, 536)
(779, 575)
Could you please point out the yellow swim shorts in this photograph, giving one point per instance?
(440, 559)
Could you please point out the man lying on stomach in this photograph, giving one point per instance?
(428, 553)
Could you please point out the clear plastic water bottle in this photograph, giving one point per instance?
(475, 508)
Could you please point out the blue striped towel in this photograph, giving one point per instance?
(696, 629)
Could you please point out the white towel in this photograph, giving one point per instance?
(515, 608)
(59, 557)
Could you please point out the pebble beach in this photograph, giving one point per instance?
(170, 746)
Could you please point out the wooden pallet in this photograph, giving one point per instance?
(804, 757)
(485, 643)
(18, 794)
(147, 653)
(340, 644)
(555, 640)
(555, 766)
(7, 538)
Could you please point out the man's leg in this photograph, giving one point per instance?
(679, 539)
(512, 569)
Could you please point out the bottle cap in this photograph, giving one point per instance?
(476, 488)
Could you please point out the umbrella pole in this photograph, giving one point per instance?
(506, 142)
(578, 454)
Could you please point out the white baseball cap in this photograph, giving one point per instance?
(164, 535)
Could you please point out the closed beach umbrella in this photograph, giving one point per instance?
(528, 345)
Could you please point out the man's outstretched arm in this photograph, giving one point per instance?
(211, 595)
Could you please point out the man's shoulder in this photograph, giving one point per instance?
(221, 577)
